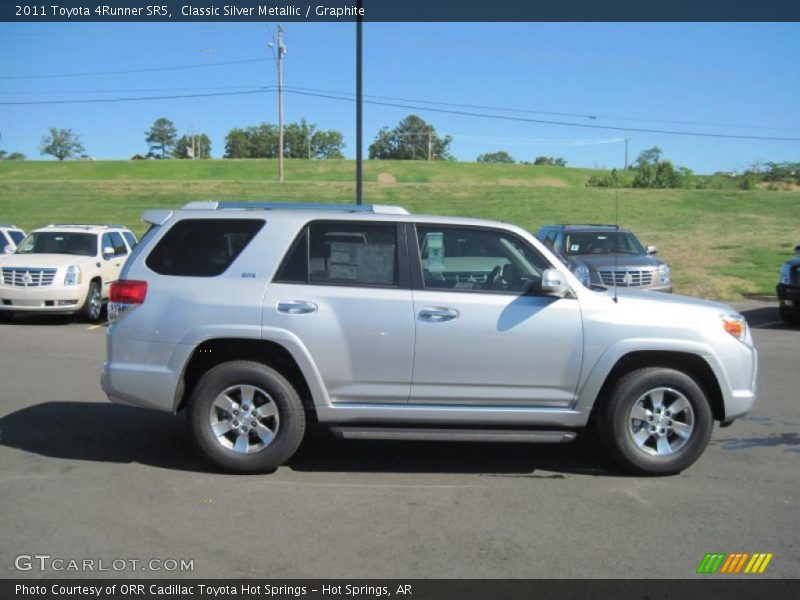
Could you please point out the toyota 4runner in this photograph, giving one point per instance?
(263, 318)
(64, 269)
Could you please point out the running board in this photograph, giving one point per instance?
(454, 435)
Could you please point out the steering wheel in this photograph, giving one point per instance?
(494, 279)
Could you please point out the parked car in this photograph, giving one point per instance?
(10, 237)
(262, 318)
(608, 256)
(789, 289)
(64, 269)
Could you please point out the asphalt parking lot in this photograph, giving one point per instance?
(82, 478)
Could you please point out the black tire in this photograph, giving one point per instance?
(289, 422)
(656, 453)
(92, 308)
(789, 317)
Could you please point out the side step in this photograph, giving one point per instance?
(453, 435)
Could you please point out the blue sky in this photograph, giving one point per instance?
(717, 78)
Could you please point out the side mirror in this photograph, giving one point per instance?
(652, 249)
(553, 283)
(108, 252)
(9, 249)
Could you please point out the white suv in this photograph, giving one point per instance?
(10, 237)
(64, 269)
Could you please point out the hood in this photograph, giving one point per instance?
(669, 301)
(619, 261)
(44, 261)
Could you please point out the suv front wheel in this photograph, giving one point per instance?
(246, 417)
(656, 421)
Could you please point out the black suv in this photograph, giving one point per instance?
(607, 256)
(789, 289)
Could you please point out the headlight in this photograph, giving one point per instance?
(785, 271)
(581, 271)
(73, 276)
(735, 325)
(663, 272)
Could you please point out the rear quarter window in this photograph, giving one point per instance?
(202, 247)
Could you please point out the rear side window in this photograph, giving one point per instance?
(202, 247)
(114, 241)
(130, 238)
(343, 253)
(16, 237)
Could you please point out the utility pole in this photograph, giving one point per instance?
(626, 152)
(430, 143)
(278, 51)
(359, 116)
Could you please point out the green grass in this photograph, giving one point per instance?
(721, 243)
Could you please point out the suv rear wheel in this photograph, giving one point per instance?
(246, 417)
(657, 421)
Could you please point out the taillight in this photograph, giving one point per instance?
(124, 296)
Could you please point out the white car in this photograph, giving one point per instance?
(65, 269)
(10, 237)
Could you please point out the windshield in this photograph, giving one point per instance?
(602, 242)
(59, 242)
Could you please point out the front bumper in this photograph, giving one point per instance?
(788, 298)
(47, 299)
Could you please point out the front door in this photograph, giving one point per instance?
(481, 338)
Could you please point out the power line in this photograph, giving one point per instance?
(590, 116)
(127, 71)
(548, 122)
(417, 108)
(138, 98)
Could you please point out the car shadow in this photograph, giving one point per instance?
(120, 434)
(767, 317)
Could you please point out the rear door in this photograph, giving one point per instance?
(343, 289)
(481, 338)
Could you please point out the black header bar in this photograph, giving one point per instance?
(163, 11)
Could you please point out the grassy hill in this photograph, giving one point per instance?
(720, 243)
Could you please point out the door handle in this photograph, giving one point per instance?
(438, 314)
(296, 307)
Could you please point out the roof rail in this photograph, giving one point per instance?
(581, 225)
(9, 225)
(382, 209)
(87, 225)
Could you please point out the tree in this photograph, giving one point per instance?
(193, 146)
(16, 156)
(299, 141)
(161, 137)
(62, 143)
(549, 160)
(496, 157)
(412, 139)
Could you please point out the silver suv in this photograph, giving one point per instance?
(607, 256)
(262, 318)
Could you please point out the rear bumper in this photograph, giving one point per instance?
(49, 299)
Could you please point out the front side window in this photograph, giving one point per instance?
(202, 247)
(59, 242)
(474, 259)
(16, 236)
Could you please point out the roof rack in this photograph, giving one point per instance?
(8, 225)
(611, 226)
(87, 225)
(378, 209)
